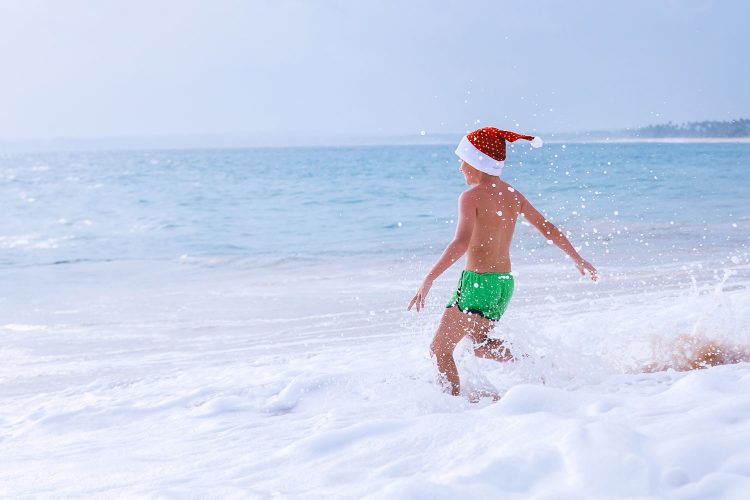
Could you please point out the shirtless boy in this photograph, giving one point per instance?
(487, 216)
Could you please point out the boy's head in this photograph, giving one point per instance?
(471, 174)
(484, 149)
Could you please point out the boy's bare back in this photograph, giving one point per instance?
(496, 207)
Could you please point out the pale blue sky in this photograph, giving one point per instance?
(290, 69)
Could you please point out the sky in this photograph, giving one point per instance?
(305, 71)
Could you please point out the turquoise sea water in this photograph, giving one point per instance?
(623, 203)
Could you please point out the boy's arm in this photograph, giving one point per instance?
(466, 218)
(556, 236)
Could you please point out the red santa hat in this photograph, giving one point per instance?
(484, 149)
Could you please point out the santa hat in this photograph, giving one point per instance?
(484, 149)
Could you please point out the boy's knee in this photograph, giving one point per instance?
(480, 342)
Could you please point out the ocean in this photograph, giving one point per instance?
(232, 323)
(660, 202)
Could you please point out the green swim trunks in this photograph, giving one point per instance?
(485, 294)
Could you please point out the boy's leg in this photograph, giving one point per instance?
(485, 347)
(454, 325)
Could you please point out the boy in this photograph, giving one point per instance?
(487, 216)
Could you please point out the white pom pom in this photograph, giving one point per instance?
(536, 142)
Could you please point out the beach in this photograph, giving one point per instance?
(199, 323)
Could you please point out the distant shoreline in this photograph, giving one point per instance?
(736, 131)
(666, 140)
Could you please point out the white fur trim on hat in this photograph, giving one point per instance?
(471, 155)
(537, 142)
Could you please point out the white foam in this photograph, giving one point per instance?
(217, 381)
(30, 241)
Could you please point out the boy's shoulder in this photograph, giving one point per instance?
(472, 194)
(478, 195)
(499, 185)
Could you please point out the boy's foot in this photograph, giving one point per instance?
(476, 395)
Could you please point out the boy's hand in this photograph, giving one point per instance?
(418, 299)
(583, 266)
